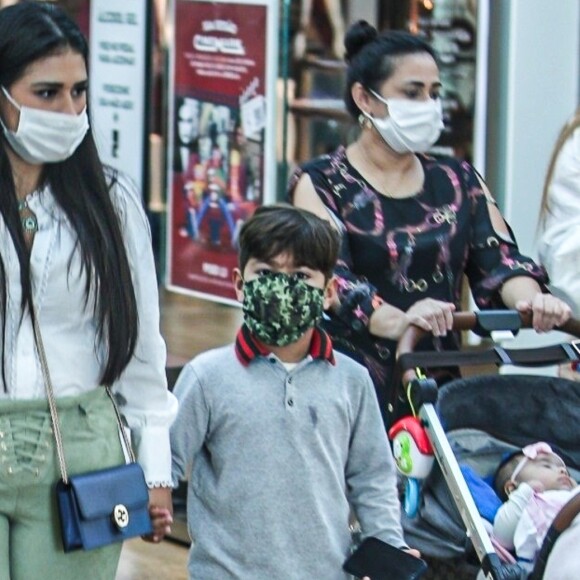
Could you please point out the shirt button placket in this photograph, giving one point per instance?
(289, 392)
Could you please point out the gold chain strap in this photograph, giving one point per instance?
(53, 409)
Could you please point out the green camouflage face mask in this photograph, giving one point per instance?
(279, 308)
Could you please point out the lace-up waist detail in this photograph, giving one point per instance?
(25, 443)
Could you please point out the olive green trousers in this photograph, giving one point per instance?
(30, 541)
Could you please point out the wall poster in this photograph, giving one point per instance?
(120, 52)
(221, 160)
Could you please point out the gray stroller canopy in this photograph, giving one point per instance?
(517, 409)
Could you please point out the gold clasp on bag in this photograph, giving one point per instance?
(120, 516)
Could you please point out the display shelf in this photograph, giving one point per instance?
(316, 111)
(328, 108)
(314, 61)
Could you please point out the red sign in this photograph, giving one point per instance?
(218, 120)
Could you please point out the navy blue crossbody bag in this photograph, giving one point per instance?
(99, 507)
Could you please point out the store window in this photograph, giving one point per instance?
(313, 70)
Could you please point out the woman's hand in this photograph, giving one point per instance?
(525, 295)
(161, 512)
(431, 315)
(547, 311)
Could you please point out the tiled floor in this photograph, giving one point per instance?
(143, 561)
(191, 325)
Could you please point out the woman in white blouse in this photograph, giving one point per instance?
(559, 243)
(559, 224)
(75, 251)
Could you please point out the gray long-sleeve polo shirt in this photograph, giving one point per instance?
(273, 460)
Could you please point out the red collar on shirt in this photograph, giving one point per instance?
(248, 347)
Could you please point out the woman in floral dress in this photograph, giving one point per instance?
(412, 224)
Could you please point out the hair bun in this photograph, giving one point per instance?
(358, 35)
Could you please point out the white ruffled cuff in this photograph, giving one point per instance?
(153, 452)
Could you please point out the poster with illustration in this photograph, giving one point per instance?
(220, 160)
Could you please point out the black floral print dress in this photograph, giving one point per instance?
(400, 251)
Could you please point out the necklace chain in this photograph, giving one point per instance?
(387, 192)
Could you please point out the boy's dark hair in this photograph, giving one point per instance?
(504, 472)
(281, 228)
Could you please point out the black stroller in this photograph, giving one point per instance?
(473, 422)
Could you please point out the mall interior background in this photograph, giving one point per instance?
(510, 70)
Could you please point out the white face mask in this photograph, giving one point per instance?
(411, 125)
(45, 136)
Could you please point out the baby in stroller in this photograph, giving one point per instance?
(473, 423)
(535, 484)
(512, 411)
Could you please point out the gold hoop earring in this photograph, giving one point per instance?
(364, 121)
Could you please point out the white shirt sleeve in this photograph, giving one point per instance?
(148, 407)
(509, 514)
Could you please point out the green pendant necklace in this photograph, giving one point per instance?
(29, 222)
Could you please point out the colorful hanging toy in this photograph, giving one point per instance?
(413, 455)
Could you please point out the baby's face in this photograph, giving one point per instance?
(549, 471)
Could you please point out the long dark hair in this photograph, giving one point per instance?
(371, 57)
(30, 31)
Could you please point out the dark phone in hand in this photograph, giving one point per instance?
(381, 561)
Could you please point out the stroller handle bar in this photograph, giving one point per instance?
(483, 323)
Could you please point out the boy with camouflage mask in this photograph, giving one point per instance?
(278, 435)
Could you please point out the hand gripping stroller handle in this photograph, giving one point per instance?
(484, 322)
